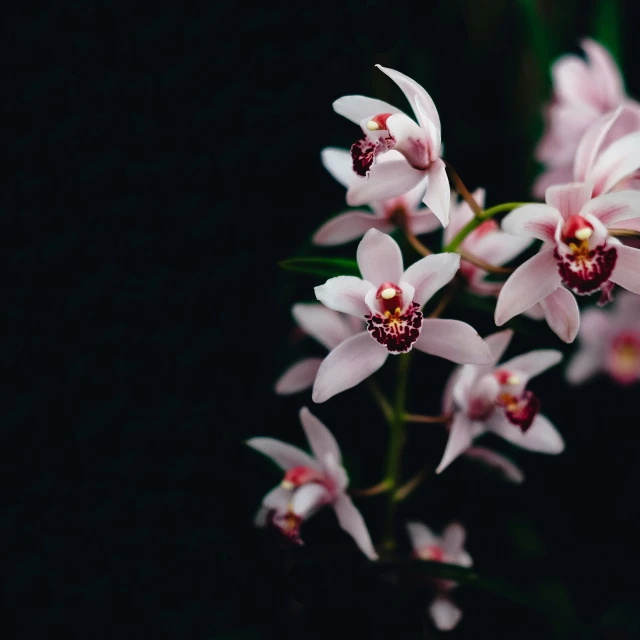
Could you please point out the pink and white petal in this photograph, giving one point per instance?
(351, 520)
(445, 614)
(562, 314)
(533, 221)
(463, 431)
(596, 326)
(286, 456)
(497, 461)
(278, 499)
(422, 221)
(453, 340)
(430, 274)
(345, 294)
(532, 364)
(357, 108)
(609, 79)
(591, 142)
(414, 197)
(453, 538)
(320, 439)
(326, 326)
(298, 377)
(339, 164)
(535, 313)
(421, 536)
(351, 362)
(585, 364)
(460, 214)
(379, 258)
(348, 226)
(307, 499)
(466, 376)
(386, 180)
(569, 199)
(438, 194)
(260, 518)
(572, 81)
(614, 208)
(451, 384)
(541, 436)
(626, 273)
(619, 160)
(497, 247)
(498, 343)
(531, 282)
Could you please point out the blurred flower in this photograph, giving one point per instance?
(310, 483)
(577, 252)
(609, 341)
(494, 399)
(401, 211)
(497, 461)
(414, 149)
(329, 328)
(390, 300)
(447, 548)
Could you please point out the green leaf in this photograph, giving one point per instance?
(607, 27)
(327, 267)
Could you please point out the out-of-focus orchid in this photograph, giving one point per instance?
(413, 149)
(584, 90)
(329, 328)
(493, 398)
(577, 252)
(447, 548)
(402, 211)
(390, 300)
(497, 461)
(609, 341)
(310, 482)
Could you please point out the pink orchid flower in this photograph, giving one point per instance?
(447, 548)
(609, 341)
(494, 398)
(329, 328)
(390, 300)
(387, 214)
(310, 482)
(413, 148)
(577, 252)
(584, 90)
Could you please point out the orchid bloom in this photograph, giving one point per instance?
(401, 211)
(494, 398)
(577, 251)
(584, 90)
(609, 341)
(487, 242)
(413, 149)
(329, 328)
(390, 300)
(310, 482)
(447, 548)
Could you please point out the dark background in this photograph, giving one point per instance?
(158, 162)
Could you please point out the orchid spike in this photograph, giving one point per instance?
(494, 398)
(412, 149)
(390, 300)
(310, 482)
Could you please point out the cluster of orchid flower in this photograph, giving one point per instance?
(591, 188)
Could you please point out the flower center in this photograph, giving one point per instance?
(430, 552)
(287, 523)
(297, 476)
(520, 411)
(379, 122)
(624, 358)
(576, 230)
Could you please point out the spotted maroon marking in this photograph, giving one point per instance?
(362, 154)
(586, 272)
(523, 411)
(395, 331)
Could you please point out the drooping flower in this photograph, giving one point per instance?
(577, 252)
(310, 482)
(584, 90)
(401, 211)
(447, 548)
(414, 148)
(390, 300)
(609, 342)
(329, 328)
(494, 398)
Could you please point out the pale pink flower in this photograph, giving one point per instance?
(609, 342)
(494, 398)
(414, 148)
(577, 252)
(387, 214)
(448, 548)
(310, 482)
(390, 300)
(329, 328)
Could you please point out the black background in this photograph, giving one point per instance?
(158, 162)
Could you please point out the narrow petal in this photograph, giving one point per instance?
(585, 364)
(533, 221)
(298, 377)
(453, 538)
(386, 180)
(286, 456)
(326, 326)
(605, 70)
(569, 199)
(438, 194)
(422, 221)
(420, 535)
(533, 363)
(351, 520)
(613, 208)
(498, 343)
(357, 108)
(541, 436)
(445, 614)
(308, 499)
(463, 431)
(627, 270)
(351, 362)
(453, 340)
(430, 274)
(349, 226)
(320, 438)
(497, 461)
(345, 294)
(532, 281)
(591, 142)
(379, 258)
(278, 499)
(339, 164)
(620, 159)
(562, 314)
